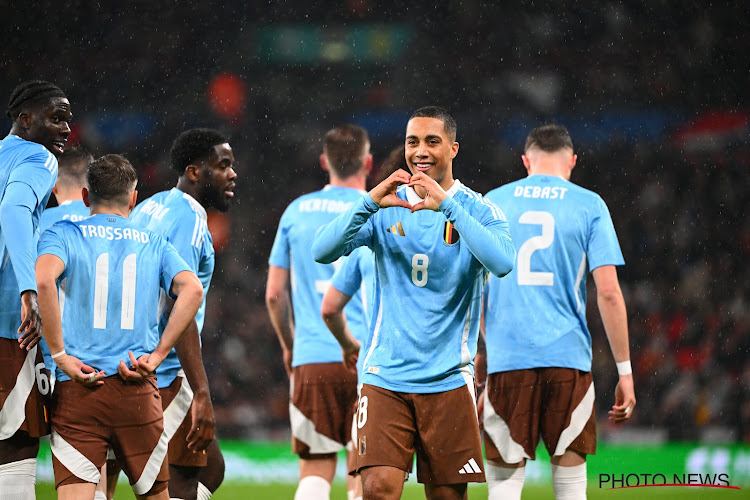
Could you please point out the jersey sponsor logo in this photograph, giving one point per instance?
(470, 467)
(545, 193)
(450, 234)
(398, 229)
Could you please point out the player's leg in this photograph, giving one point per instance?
(353, 479)
(511, 430)
(101, 487)
(449, 446)
(113, 473)
(24, 385)
(321, 412)
(386, 436)
(568, 427)
(211, 476)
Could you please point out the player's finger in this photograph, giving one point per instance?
(417, 207)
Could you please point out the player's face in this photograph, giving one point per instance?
(48, 125)
(217, 178)
(429, 149)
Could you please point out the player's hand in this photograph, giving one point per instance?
(384, 194)
(30, 330)
(140, 368)
(624, 400)
(79, 372)
(351, 354)
(202, 430)
(434, 193)
(287, 358)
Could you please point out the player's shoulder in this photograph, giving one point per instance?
(476, 200)
(25, 150)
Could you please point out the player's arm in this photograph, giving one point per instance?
(189, 292)
(350, 229)
(332, 310)
(612, 309)
(16, 208)
(191, 359)
(279, 305)
(48, 268)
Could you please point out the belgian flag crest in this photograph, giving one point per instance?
(450, 234)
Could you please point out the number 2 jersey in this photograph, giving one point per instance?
(429, 271)
(109, 291)
(536, 316)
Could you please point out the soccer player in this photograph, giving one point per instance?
(434, 241)
(323, 390)
(28, 169)
(109, 272)
(205, 163)
(71, 179)
(538, 344)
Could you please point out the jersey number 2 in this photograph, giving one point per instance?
(525, 275)
(101, 292)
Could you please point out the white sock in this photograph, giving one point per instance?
(100, 495)
(17, 480)
(505, 483)
(313, 488)
(569, 483)
(203, 492)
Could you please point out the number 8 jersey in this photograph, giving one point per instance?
(109, 291)
(429, 271)
(561, 231)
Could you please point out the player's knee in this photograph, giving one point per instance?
(157, 488)
(376, 486)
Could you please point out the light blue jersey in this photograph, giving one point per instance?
(109, 291)
(179, 217)
(72, 210)
(32, 168)
(429, 271)
(355, 277)
(313, 342)
(536, 316)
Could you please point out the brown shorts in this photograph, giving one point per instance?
(24, 387)
(176, 401)
(441, 428)
(522, 405)
(323, 397)
(125, 416)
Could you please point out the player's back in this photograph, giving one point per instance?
(109, 291)
(31, 164)
(536, 315)
(180, 219)
(313, 342)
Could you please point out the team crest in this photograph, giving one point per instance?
(450, 234)
(361, 448)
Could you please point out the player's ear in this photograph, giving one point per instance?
(25, 119)
(85, 196)
(573, 159)
(323, 162)
(454, 150)
(193, 172)
(133, 199)
(368, 163)
(526, 163)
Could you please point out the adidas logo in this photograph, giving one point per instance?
(397, 229)
(470, 467)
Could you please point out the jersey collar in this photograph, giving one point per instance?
(413, 198)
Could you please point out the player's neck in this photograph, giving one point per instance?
(104, 209)
(187, 187)
(553, 170)
(357, 181)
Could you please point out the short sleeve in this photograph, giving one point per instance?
(348, 277)
(171, 265)
(38, 171)
(52, 242)
(603, 246)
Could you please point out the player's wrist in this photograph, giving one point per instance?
(624, 368)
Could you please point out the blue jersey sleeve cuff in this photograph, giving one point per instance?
(447, 207)
(370, 205)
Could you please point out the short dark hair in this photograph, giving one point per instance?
(449, 124)
(72, 166)
(549, 138)
(29, 94)
(194, 145)
(111, 178)
(345, 148)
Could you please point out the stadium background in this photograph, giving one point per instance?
(655, 95)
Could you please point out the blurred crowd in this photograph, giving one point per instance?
(137, 76)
